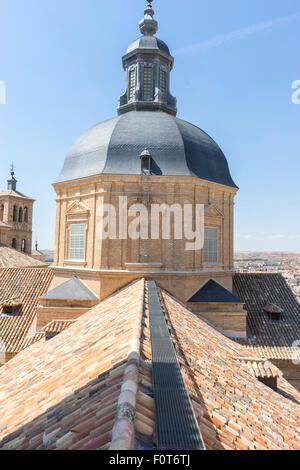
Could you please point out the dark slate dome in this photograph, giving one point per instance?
(148, 42)
(147, 121)
(177, 147)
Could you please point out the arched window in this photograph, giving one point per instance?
(23, 248)
(15, 214)
(14, 243)
(26, 215)
(20, 215)
(1, 212)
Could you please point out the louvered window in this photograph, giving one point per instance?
(132, 84)
(163, 83)
(77, 241)
(147, 83)
(210, 250)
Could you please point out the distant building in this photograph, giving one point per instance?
(39, 255)
(16, 212)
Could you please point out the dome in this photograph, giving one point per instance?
(148, 42)
(177, 147)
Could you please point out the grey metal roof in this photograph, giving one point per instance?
(215, 293)
(73, 289)
(148, 42)
(178, 149)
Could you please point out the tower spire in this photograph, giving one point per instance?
(148, 25)
(12, 183)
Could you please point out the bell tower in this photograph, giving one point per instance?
(16, 212)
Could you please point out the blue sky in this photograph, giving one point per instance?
(235, 64)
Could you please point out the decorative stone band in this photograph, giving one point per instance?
(123, 433)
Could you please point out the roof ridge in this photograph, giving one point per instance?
(126, 408)
(169, 386)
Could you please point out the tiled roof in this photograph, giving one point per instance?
(234, 409)
(39, 336)
(23, 286)
(272, 340)
(66, 393)
(11, 258)
(57, 326)
(212, 292)
(10, 192)
(54, 328)
(90, 387)
(260, 368)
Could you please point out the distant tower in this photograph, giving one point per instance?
(39, 255)
(12, 183)
(15, 217)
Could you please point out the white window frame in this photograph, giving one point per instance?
(211, 255)
(80, 248)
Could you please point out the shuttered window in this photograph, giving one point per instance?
(132, 84)
(77, 241)
(147, 83)
(163, 83)
(210, 250)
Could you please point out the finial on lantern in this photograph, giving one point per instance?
(148, 26)
(12, 183)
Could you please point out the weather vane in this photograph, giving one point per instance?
(12, 169)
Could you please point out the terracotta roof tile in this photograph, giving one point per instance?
(91, 387)
(234, 409)
(260, 368)
(57, 326)
(11, 258)
(24, 286)
(65, 393)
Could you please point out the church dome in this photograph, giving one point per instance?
(147, 121)
(177, 147)
(148, 42)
